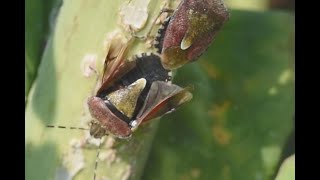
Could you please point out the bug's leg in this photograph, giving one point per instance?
(97, 159)
(97, 79)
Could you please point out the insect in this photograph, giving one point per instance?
(186, 34)
(133, 93)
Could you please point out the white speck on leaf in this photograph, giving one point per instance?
(273, 91)
(135, 14)
(285, 76)
(88, 64)
(72, 162)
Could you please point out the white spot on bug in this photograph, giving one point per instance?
(88, 65)
(133, 123)
(170, 111)
(134, 14)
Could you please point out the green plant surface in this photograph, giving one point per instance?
(40, 15)
(251, 5)
(71, 64)
(287, 169)
(243, 106)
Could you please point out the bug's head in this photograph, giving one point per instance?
(96, 130)
(113, 113)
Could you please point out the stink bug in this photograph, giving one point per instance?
(133, 93)
(189, 31)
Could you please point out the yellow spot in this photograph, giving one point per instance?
(184, 177)
(226, 172)
(212, 70)
(218, 112)
(273, 91)
(285, 76)
(195, 173)
(221, 135)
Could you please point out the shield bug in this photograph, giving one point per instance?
(186, 34)
(133, 93)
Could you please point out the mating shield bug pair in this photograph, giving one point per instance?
(133, 93)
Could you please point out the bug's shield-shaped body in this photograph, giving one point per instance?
(190, 31)
(162, 98)
(133, 93)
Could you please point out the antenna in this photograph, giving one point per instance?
(65, 127)
(80, 128)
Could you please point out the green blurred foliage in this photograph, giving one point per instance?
(243, 105)
(39, 18)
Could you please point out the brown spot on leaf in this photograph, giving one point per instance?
(221, 135)
(184, 177)
(218, 111)
(226, 172)
(210, 69)
(195, 173)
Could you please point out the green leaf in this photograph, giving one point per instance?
(287, 169)
(39, 15)
(243, 106)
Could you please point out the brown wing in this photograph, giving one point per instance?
(115, 68)
(162, 98)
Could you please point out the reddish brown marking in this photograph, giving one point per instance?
(112, 123)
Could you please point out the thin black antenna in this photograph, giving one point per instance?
(97, 159)
(65, 127)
